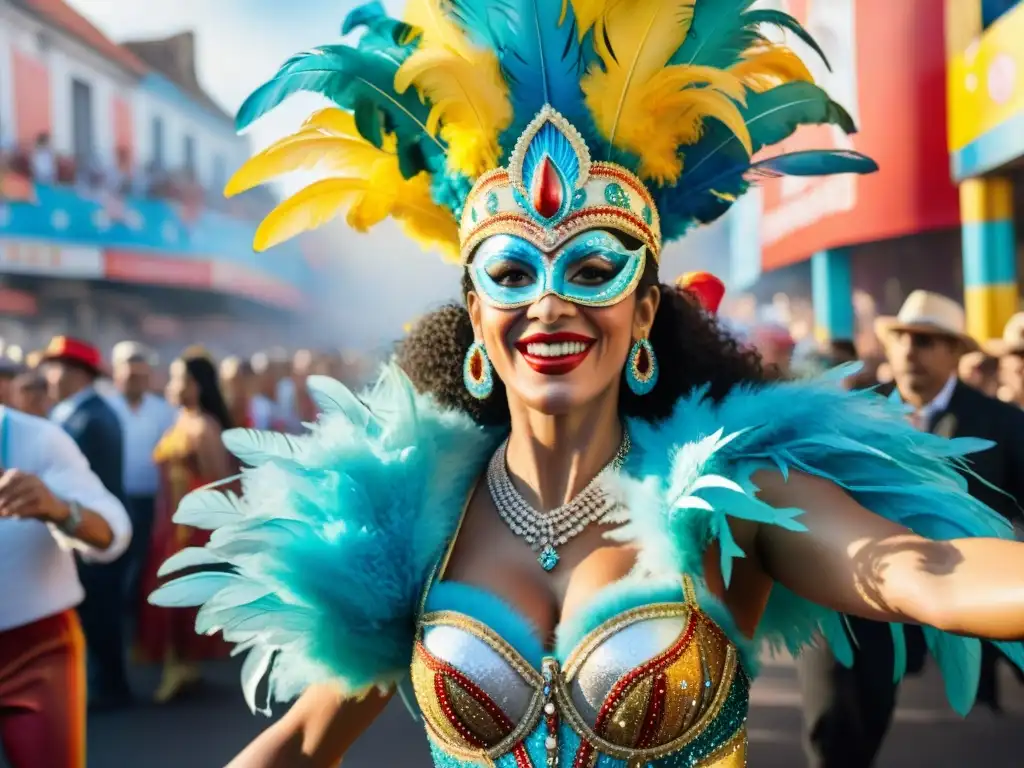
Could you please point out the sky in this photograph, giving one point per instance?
(240, 44)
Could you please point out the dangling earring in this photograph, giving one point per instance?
(477, 372)
(642, 368)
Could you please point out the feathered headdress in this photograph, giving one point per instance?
(542, 118)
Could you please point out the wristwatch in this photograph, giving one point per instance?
(73, 520)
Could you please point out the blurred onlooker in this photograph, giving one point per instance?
(981, 371)
(34, 359)
(264, 408)
(775, 345)
(9, 370)
(190, 455)
(1010, 351)
(29, 394)
(72, 368)
(236, 381)
(42, 660)
(43, 161)
(145, 417)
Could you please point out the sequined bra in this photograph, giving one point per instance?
(655, 685)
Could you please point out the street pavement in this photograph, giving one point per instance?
(206, 730)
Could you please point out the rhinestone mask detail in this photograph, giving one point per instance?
(546, 531)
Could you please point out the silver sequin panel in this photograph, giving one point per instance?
(620, 654)
(483, 665)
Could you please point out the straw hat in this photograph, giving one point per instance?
(931, 313)
(1012, 341)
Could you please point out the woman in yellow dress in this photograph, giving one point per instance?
(190, 455)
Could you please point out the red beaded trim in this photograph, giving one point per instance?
(502, 217)
(655, 711)
(583, 755)
(522, 756)
(444, 670)
(619, 691)
(605, 210)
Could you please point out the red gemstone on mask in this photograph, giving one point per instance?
(546, 192)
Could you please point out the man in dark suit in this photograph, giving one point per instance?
(72, 368)
(847, 712)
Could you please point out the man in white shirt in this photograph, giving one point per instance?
(145, 418)
(51, 504)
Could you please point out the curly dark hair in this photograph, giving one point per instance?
(693, 350)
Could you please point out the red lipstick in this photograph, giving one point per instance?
(570, 349)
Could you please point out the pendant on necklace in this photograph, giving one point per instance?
(548, 558)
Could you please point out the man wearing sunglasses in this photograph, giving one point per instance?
(847, 712)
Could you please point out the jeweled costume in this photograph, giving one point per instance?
(527, 130)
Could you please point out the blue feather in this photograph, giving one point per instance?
(813, 162)
(784, 21)
(859, 440)
(542, 60)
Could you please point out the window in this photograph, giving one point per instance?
(220, 172)
(158, 144)
(190, 155)
(82, 125)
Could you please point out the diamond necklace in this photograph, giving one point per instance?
(544, 531)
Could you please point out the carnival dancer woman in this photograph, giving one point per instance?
(572, 540)
(189, 456)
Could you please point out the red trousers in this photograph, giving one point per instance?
(42, 693)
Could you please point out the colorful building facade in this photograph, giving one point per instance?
(937, 90)
(985, 79)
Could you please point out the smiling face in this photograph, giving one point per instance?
(558, 326)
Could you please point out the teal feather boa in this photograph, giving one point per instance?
(694, 472)
(332, 540)
(331, 546)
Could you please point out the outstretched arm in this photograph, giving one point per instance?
(316, 733)
(856, 562)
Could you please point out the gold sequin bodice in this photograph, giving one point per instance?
(659, 684)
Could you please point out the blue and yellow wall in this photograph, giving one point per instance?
(985, 76)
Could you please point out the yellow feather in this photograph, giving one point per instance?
(431, 18)
(369, 200)
(638, 102)
(765, 67)
(304, 151)
(333, 120)
(588, 15)
(469, 97)
(641, 104)
(307, 209)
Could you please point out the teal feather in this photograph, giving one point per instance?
(190, 557)
(208, 509)
(859, 440)
(782, 20)
(254, 446)
(721, 31)
(360, 80)
(330, 555)
(379, 29)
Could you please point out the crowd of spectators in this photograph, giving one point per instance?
(39, 162)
